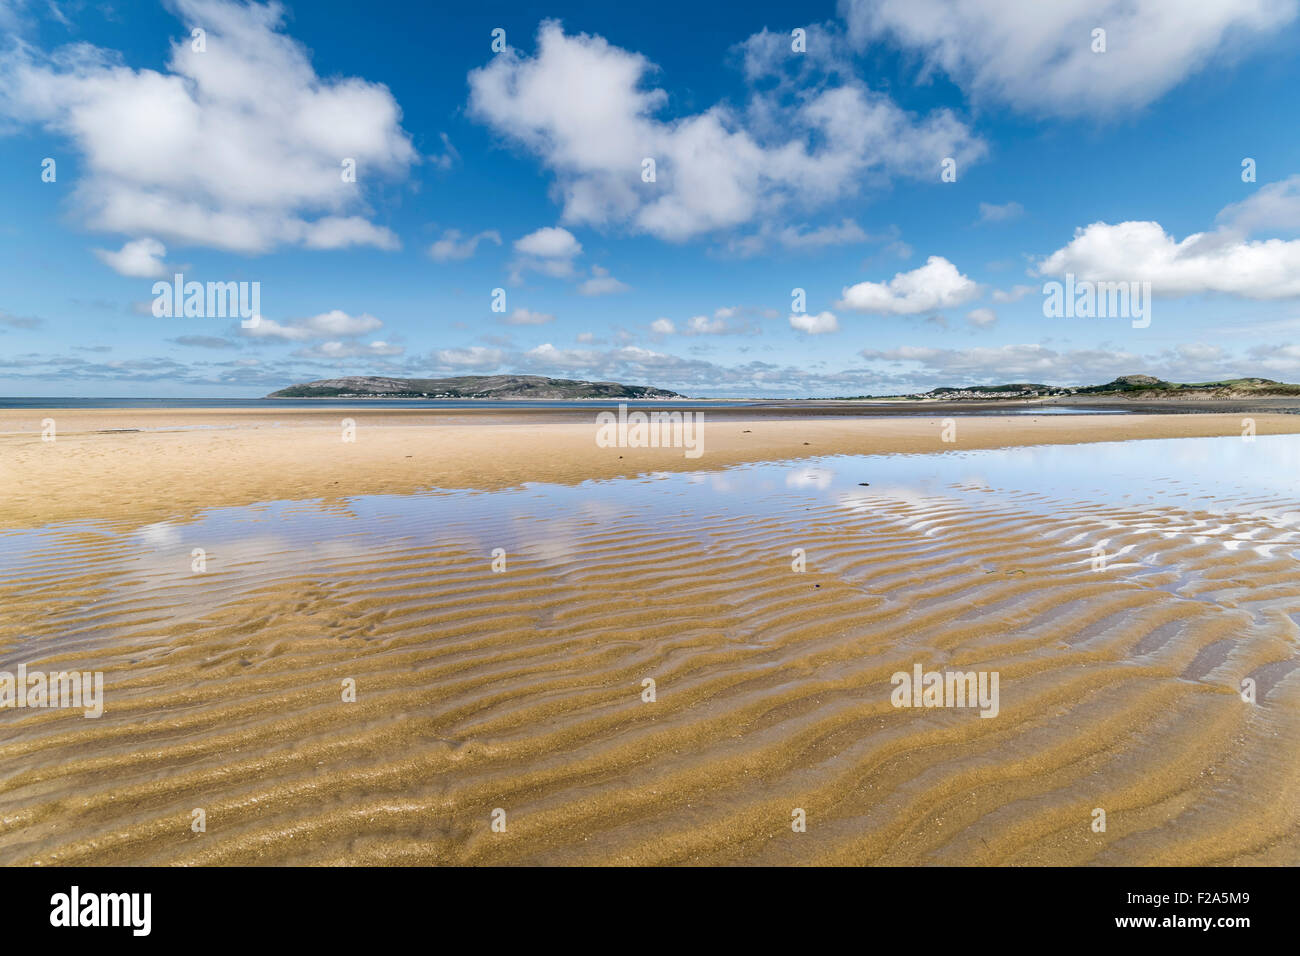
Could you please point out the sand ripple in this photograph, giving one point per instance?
(523, 690)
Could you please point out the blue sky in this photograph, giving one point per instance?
(220, 157)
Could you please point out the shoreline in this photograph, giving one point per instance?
(156, 464)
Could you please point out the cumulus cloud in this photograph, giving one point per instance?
(526, 317)
(238, 147)
(819, 324)
(1275, 207)
(326, 325)
(1281, 360)
(705, 325)
(935, 285)
(1038, 57)
(138, 258)
(724, 321)
(550, 242)
(583, 106)
(550, 251)
(727, 320)
(602, 283)
(1225, 259)
(1220, 261)
(981, 318)
(453, 247)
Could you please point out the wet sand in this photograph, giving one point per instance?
(109, 463)
(523, 690)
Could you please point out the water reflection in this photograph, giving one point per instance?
(1242, 494)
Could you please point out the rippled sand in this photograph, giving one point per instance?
(523, 690)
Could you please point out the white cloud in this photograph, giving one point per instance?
(1189, 362)
(550, 242)
(846, 232)
(726, 320)
(138, 258)
(339, 232)
(1038, 56)
(452, 246)
(547, 355)
(550, 251)
(704, 325)
(981, 318)
(341, 350)
(1219, 261)
(602, 285)
(1281, 361)
(477, 357)
(720, 323)
(1275, 207)
(935, 285)
(584, 108)
(326, 325)
(819, 324)
(803, 238)
(1015, 363)
(238, 147)
(629, 363)
(525, 317)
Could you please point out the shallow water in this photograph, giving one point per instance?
(1255, 484)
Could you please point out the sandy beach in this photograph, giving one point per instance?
(521, 688)
(153, 464)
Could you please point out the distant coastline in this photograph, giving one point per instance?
(537, 387)
(1132, 393)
